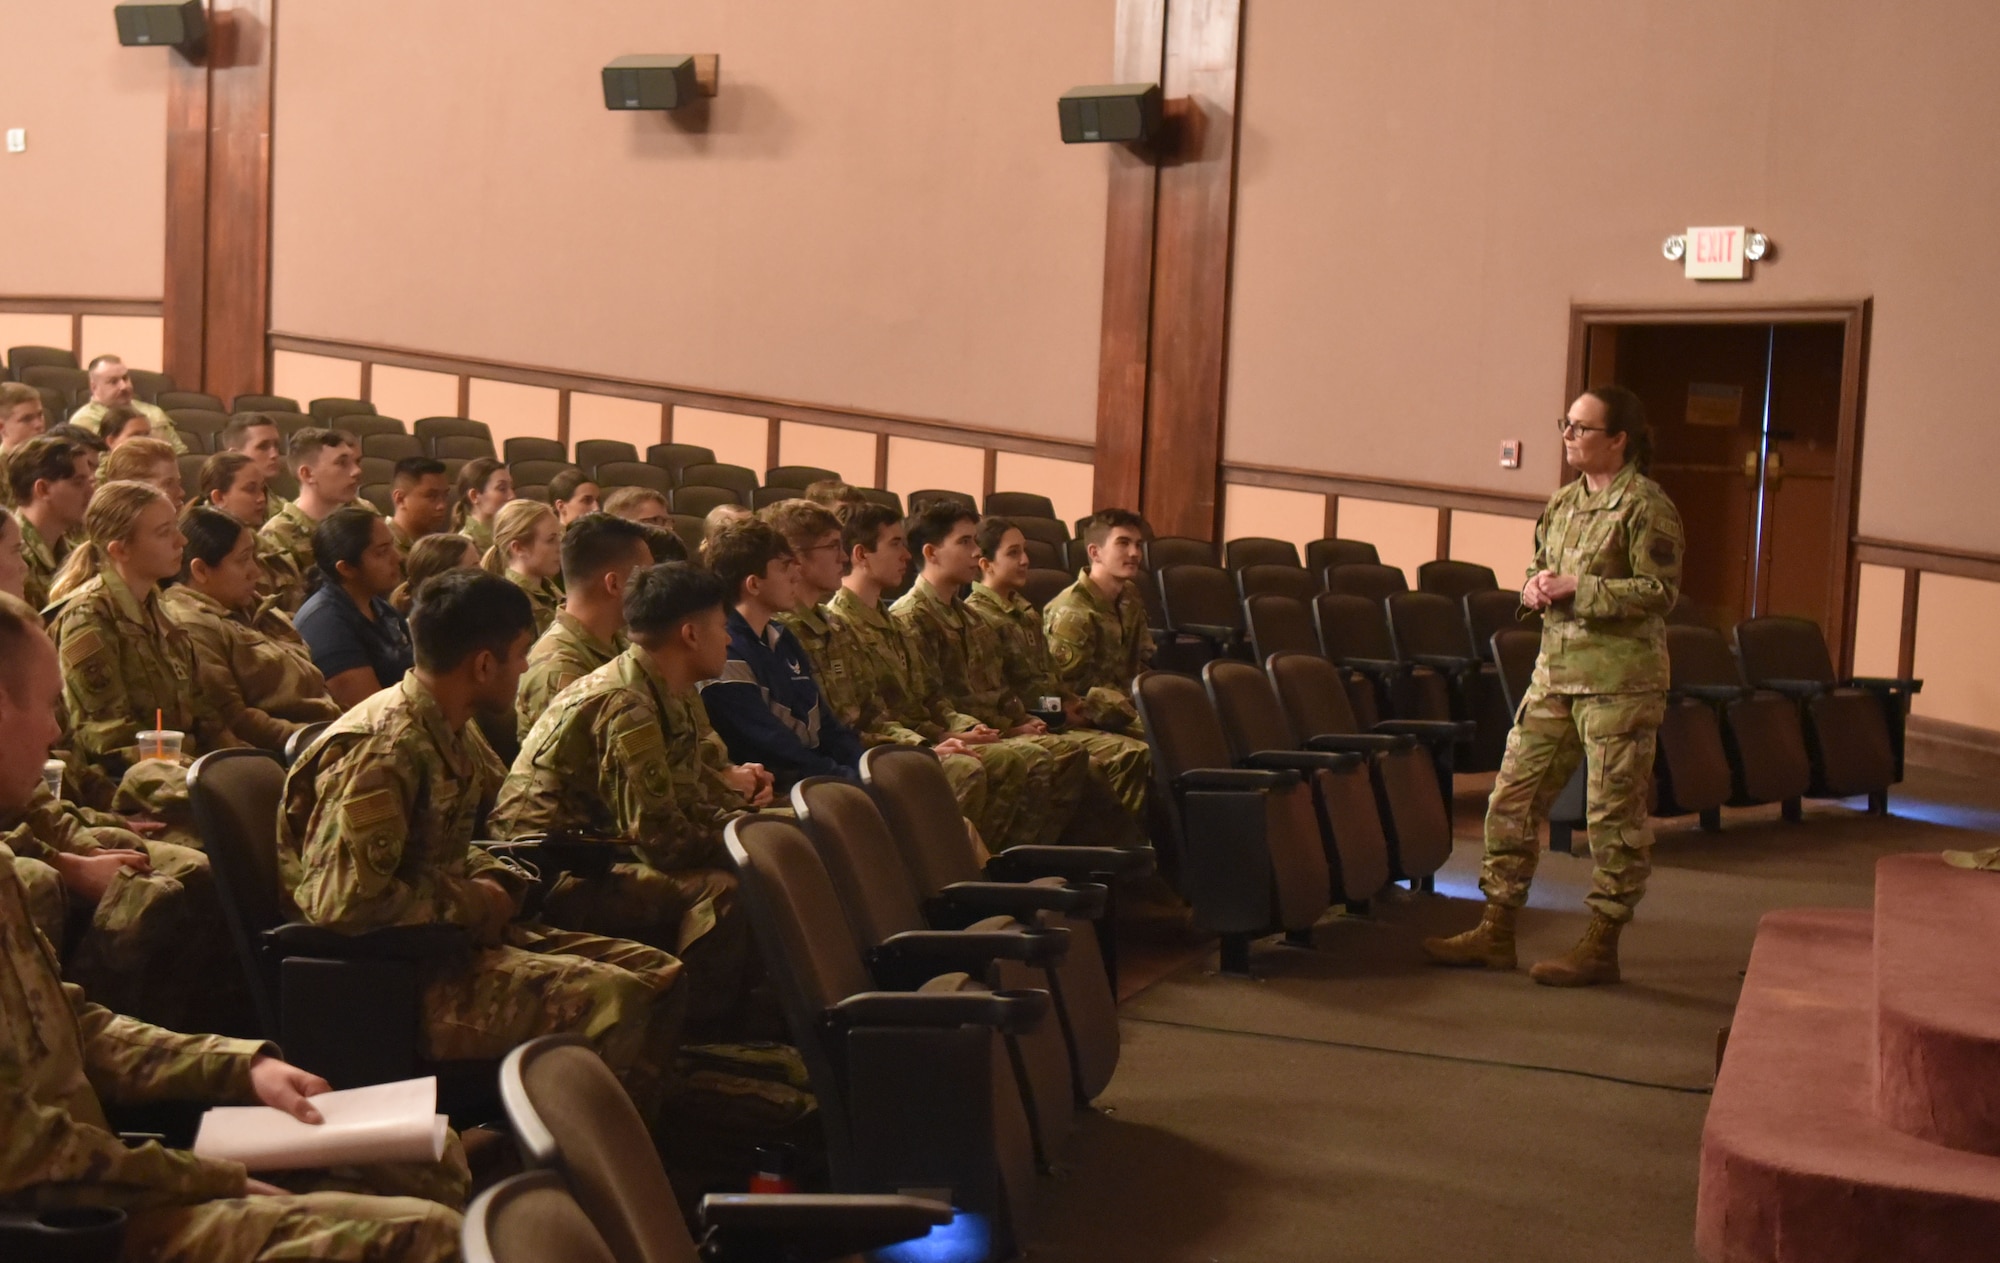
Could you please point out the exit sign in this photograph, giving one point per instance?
(1715, 254)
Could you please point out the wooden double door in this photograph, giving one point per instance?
(1755, 435)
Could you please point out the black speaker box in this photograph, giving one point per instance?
(1128, 112)
(181, 26)
(650, 82)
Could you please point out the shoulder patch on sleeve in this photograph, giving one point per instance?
(80, 646)
(640, 745)
(369, 811)
(1663, 550)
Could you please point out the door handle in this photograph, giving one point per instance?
(1750, 466)
(1774, 468)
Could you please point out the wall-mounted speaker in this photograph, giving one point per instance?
(1127, 112)
(181, 26)
(659, 81)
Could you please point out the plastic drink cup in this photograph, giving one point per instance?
(160, 743)
(52, 774)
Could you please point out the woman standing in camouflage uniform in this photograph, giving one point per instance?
(1607, 568)
(527, 551)
(247, 645)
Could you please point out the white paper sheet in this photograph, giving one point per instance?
(388, 1122)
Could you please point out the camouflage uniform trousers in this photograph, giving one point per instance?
(334, 1227)
(1033, 785)
(156, 946)
(692, 914)
(1614, 735)
(621, 996)
(1113, 807)
(48, 902)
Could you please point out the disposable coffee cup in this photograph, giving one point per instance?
(52, 774)
(160, 743)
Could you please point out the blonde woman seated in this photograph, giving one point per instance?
(527, 549)
(430, 557)
(484, 487)
(248, 646)
(145, 460)
(126, 666)
(234, 483)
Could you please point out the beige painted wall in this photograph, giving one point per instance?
(84, 208)
(1955, 618)
(1426, 186)
(879, 213)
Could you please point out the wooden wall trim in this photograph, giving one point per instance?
(887, 424)
(1906, 631)
(41, 306)
(1925, 557)
(1431, 495)
(184, 277)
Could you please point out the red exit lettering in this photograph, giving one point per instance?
(1718, 246)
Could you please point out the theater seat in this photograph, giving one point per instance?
(736, 478)
(798, 477)
(530, 1218)
(1247, 841)
(1853, 726)
(1351, 825)
(1045, 584)
(1376, 582)
(1428, 630)
(1495, 611)
(392, 446)
(1258, 550)
(1047, 530)
(1354, 633)
(1323, 555)
(674, 457)
(21, 358)
(1762, 735)
(365, 425)
(330, 409)
(470, 439)
(592, 453)
(1455, 579)
(1292, 581)
(919, 500)
(169, 400)
(199, 428)
(765, 497)
(916, 1087)
(460, 447)
(1016, 504)
(263, 403)
(1176, 550)
(632, 473)
(699, 501)
(148, 386)
(1279, 624)
(1201, 602)
(878, 495)
(517, 450)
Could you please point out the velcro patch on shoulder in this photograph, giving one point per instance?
(80, 646)
(369, 811)
(1663, 550)
(637, 746)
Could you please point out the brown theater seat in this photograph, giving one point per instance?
(736, 478)
(1019, 504)
(674, 457)
(919, 500)
(1250, 861)
(1257, 550)
(1354, 632)
(1292, 581)
(1853, 726)
(798, 477)
(698, 501)
(330, 409)
(632, 473)
(21, 358)
(1200, 601)
(1045, 584)
(148, 386)
(199, 428)
(533, 1217)
(263, 403)
(1373, 581)
(1455, 579)
(1176, 550)
(517, 450)
(1324, 554)
(1279, 624)
(1428, 630)
(593, 453)
(171, 400)
(1495, 611)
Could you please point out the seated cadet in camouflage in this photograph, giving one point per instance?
(527, 550)
(21, 419)
(767, 703)
(111, 387)
(484, 487)
(875, 677)
(51, 479)
(376, 829)
(430, 557)
(327, 464)
(960, 657)
(257, 436)
(618, 755)
(1122, 761)
(247, 647)
(231, 483)
(1098, 640)
(126, 666)
(572, 494)
(63, 1057)
(145, 460)
(600, 554)
(420, 496)
(1607, 568)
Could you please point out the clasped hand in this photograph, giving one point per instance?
(1547, 588)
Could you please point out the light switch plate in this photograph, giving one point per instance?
(1510, 453)
(17, 140)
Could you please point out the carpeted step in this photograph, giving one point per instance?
(1937, 1001)
(1795, 1165)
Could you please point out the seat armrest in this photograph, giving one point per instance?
(1428, 730)
(1797, 689)
(1214, 633)
(1359, 742)
(810, 1227)
(970, 951)
(395, 942)
(586, 856)
(1722, 693)
(84, 1234)
(1023, 863)
(1449, 664)
(1375, 668)
(1884, 684)
(1011, 1012)
(1241, 779)
(1084, 901)
(1301, 760)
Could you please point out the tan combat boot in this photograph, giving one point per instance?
(1488, 946)
(1593, 960)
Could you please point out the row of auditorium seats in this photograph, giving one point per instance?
(953, 1016)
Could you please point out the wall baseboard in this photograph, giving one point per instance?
(1952, 747)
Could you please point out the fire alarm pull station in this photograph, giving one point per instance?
(1510, 453)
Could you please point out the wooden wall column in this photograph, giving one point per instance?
(217, 288)
(1168, 240)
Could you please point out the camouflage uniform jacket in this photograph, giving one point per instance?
(61, 1057)
(874, 675)
(91, 417)
(1024, 657)
(619, 754)
(123, 662)
(1624, 546)
(378, 818)
(47, 826)
(274, 688)
(1098, 647)
(963, 654)
(43, 559)
(480, 533)
(401, 538)
(543, 596)
(561, 656)
(289, 534)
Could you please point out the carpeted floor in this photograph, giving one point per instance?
(1351, 1103)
